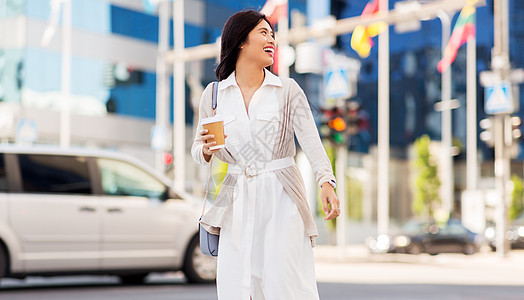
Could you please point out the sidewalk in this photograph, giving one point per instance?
(360, 266)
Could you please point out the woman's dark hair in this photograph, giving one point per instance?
(234, 34)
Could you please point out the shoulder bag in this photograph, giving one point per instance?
(209, 241)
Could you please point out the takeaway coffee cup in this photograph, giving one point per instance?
(215, 126)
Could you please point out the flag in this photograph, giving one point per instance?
(361, 40)
(54, 18)
(274, 10)
(150, 6)
(464, 28)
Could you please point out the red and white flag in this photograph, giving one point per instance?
(274, 10)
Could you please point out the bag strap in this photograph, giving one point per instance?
(214, 107)
(214, 99)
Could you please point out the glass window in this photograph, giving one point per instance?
(456, 229)
(123, 179)
(54, 174)
(3, 174)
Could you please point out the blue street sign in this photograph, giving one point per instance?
(499, 99)
(158, 138)
(27, 132)
(336, 84)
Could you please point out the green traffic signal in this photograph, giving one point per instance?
(339, 138)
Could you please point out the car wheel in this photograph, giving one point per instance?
(415, 249)
(199, 268)
(469, 249)
(133, 279)
(3, 262)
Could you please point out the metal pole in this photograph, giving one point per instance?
(383, 127)
(283, 43)
(471, 107)
(162, 105)
(65, 115)
(341, 165)
(446, 174)
(500, 63)
(500, 169)
(179, 107)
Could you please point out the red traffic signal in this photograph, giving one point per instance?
(168, 158)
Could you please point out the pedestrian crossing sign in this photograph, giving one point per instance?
(336, 84)
(499, 99)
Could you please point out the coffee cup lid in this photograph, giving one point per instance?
(213, 119)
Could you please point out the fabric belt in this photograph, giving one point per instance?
(247, 190)
(261, 167)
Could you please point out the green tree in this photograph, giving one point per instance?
(353, 190)
(517, 203)
(354, 198)
(426, 184)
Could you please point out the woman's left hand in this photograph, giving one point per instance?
(330, 202)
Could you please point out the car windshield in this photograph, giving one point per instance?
(414, 227)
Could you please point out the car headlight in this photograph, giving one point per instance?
(383, 242)
(490, 233)
(402, 241)
(520, 231)
(372, 244)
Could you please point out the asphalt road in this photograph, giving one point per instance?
(357, 276)
(103, 288)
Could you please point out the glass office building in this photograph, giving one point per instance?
(113, 71)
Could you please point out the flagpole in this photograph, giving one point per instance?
(162, 79)
(471, 106)
(283, 42)
(446, 172)
(65, 115)
(179, 96)
(383, 127)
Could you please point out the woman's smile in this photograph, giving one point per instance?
(270, 50)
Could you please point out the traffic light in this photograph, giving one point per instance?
(168, 158)
(325, 131)
(516, 133)
(333, 126)
(512, 131)
(168, 162)
(514, 136)
(338, 126)
(340, 123)
(353, 117)
(487, 134)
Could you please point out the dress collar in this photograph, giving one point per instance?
(269, 79)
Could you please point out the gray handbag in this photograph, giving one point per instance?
(209, 241)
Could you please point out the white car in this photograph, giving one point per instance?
(65, 212)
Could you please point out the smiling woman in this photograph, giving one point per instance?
(261, 213)
(235, 34)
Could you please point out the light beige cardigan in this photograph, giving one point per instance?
(295, 118)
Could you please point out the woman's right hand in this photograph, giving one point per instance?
(207, 139)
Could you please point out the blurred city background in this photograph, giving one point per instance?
(417, 103)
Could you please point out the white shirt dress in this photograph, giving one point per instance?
(266, 229)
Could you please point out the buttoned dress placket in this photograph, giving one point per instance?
(244, 208)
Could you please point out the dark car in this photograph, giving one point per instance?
(515, 233)
(426, 237)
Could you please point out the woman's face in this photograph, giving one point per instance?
(259, 47)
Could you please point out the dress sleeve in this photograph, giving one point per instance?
(204, 112)
(307, 135)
